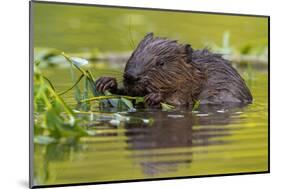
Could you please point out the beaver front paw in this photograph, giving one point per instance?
(153, 99)
(106, 83)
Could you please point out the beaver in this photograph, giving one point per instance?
(163, 70)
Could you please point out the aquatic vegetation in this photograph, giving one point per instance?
(196, 105)
(105, 100)
(55, 119)
(166, 107)
(52, 115)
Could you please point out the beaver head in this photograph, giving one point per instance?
(159, 65)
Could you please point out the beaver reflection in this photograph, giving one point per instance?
(166, 145)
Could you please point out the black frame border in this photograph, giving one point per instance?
(31, 53)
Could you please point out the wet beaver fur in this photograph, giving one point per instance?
(163, 70)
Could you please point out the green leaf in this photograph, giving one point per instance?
(128, 103)
(166, 107)
(196, 105)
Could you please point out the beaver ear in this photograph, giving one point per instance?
(145, 40)
(188, 52)
(149, 35)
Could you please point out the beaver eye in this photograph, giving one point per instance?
(160, 63)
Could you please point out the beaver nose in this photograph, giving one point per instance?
(130, 77)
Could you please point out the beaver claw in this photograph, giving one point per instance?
(153, 99)
(106, 83)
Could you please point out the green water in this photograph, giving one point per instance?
(212, 140)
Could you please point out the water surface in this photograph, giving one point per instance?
(211, 140)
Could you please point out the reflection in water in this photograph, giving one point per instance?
(167, 133)
(54, 152)
(210, 140)
(173, 130)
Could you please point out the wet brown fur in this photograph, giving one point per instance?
(166, 71)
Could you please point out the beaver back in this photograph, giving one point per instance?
(223, 83)
(181, 75)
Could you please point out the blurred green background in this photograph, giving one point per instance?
(84, 28)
